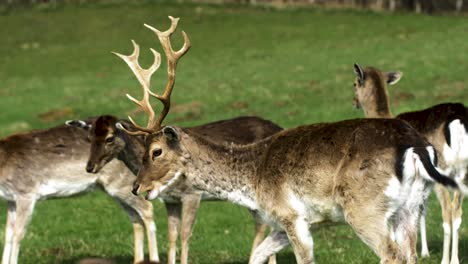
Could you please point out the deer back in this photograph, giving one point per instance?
(240, 130)
(47, 162)
(312, 159)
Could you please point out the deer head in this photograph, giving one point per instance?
(161, 142)
(370, 88)
(106, 143)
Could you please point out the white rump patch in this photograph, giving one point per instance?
(413, 165)
(395, 196)
(457, 152)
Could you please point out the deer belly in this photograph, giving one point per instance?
(316, 211)
(60, 188)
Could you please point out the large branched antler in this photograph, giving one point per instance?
(144, 76)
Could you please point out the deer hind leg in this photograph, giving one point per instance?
(406, 227)
(173, 222)
(272, 244)
(443, 196)
(140, 212)
(190, 205)
(24, 210)
(9, 228)
(297, 230)
(260, 229)
(456, 222)
(422, 228)
(371, 225)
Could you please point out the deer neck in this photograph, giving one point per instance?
(377, 105)
(132, 153)
(226, 171)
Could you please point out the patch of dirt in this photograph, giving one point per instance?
(400, 96)
(239, 105)
(57, 252)
(182, 112)
(18, 126)
(280, 103)
(96, 261)
(56, 114)
(444, 96)
(187, 112)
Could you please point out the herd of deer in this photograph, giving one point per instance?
(374, 174)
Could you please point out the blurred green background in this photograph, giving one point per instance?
(292, 65)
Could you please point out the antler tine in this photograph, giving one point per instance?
(172, 59)
(133, 133)
(144, 77)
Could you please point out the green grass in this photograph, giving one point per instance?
(290, 66)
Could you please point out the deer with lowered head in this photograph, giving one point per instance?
(369, 173)
(49, 163)
(444, 125)
(182, 203)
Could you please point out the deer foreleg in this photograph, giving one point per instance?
(138, 242)
(141, 214)
(9, 230)
(173, 222)
(24, 210)
(190, 205)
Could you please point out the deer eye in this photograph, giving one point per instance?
(156, 153)
(109, 139)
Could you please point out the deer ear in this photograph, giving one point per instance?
(393, 77)
(122, 126)
(78, 123)
(171, 133)
(359, 73)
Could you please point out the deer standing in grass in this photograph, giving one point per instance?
(445, 126)
(50, 163)
(369, 173)
(109, 143)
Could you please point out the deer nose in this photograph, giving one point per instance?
(89, 167)
(136, 186)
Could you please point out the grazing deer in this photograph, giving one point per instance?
(50, 163)
(108, 143)
(445, 126)
(369, 173)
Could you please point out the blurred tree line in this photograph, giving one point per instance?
(418, 6)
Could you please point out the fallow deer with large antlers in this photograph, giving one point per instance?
(50, 163)
(445, 126)
(109, 143)
(369, 173)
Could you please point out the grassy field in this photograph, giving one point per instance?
(290, 66)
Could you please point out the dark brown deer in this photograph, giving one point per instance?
(109, 143)
(370, 173)
(50, 163)
(445, 126)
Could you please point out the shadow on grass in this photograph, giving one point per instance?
(287, 257)
(107, 260)
(281, 258)
(435, 248)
